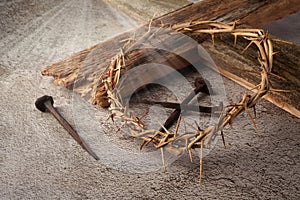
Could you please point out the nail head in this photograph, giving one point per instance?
(40, 102)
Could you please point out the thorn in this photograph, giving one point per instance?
(198, 128)
(143, 115)
(223, 139)
(142, 145)
(151, 139)
(118, 130)
(201, 158)
(235, 40)
(277, 76)
(251, 118)
(191, 156)
(166, 130)
(247, 46)
(111, 116)
(163, 159)
(279, 90)
(235, 23)
(230, 124)
(254, 111)
(177, 126)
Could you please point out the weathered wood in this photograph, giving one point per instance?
(241, 68)
(271, 11)
(83, 70)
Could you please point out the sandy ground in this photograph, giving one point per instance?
(39, 160)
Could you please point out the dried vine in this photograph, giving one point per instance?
(196, 139)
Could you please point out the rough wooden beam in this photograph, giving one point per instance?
(267, 13)
(83, 70)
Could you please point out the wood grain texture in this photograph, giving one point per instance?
(82, 71)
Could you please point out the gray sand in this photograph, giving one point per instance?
(39, 160)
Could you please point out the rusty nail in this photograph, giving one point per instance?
(201, 86)
(45, 104)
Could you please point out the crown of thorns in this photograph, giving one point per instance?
(165, 139)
